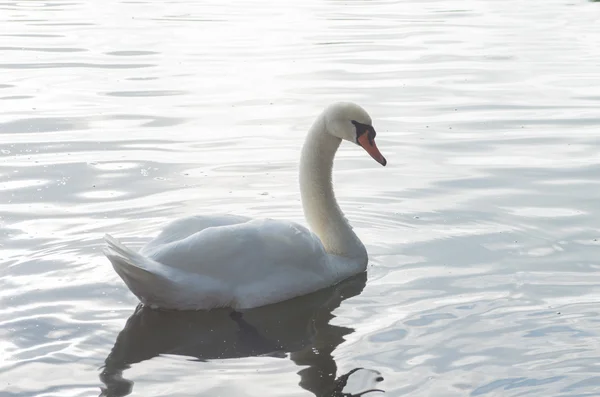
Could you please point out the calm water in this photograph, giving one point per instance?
(483, 231)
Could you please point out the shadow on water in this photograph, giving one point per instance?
(299, 329)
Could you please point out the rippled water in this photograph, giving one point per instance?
(483, 230)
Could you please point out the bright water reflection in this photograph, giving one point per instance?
(117, 116)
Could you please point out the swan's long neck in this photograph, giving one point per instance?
(321, 209)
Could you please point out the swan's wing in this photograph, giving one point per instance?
(162, 286)
(250, 245)
(261, 260)
(180, 229)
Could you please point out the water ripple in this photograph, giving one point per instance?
(482, 230)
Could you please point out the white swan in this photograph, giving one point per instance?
(209, 261)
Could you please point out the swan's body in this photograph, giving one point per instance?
(204, 262)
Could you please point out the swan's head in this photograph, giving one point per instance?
(352, 123)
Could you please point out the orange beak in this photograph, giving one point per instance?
(371, 148)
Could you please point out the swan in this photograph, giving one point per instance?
(204, 262)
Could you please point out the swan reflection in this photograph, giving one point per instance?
(299, 329)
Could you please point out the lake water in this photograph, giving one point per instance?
(483, 230)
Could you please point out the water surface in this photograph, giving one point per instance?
(482, 230)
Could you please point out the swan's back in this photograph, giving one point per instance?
(185, 227)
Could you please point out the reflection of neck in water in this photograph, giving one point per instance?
(364, 377)
(299, 326)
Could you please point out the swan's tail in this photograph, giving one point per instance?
(136, 270)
